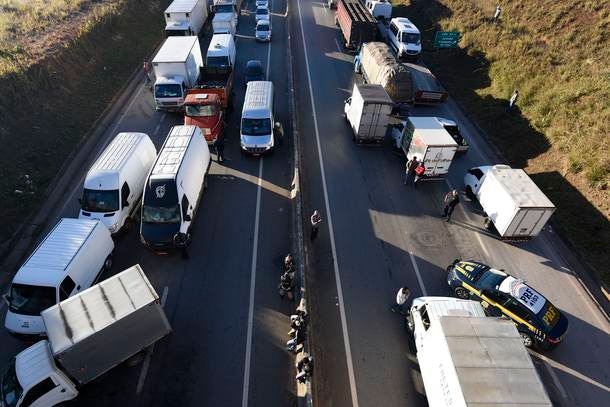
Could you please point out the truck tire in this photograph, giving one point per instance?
(469, 194)
(488, 224)
(136, 359)
(108, 262)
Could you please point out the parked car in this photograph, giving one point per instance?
(538, 321)
(262, 13)
(262, 3)
(254, 71)
(263, 31)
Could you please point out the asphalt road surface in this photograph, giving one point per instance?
(229, 324)
(379, 235)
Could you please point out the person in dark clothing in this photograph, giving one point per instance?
(451, 200)
(304, 369)
(315, 220)
(412, 164)
(220, 149)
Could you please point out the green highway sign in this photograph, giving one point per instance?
(446, 39)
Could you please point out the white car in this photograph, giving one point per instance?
(263, 31)
(262, 3)
(262, 13)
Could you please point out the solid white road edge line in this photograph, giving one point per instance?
(244, 400)
(151, 349)
(246, 389)
(348, 352)
(420, 281)
(79, 184)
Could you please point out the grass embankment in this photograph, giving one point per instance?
(61, 64)
(557, 54)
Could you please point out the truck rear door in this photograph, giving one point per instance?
(525, 222)
(438, 160)
(373, 121)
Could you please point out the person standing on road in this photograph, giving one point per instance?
(304, 369)
(412, 164)
(513, 99)
(401, 298)
(146, 67)
(315, 220)
(452, 199)
(496, 16)
(220, 149)
(278, 133)
(419, 172)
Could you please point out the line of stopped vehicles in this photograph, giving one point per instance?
(57, 297)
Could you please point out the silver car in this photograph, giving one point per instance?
(263, 31)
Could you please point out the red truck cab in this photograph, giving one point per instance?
(204, 110)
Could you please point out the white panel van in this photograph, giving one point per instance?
(257, 121)
(221, 52)
(113, 186)
(174, 188)
(70, 259)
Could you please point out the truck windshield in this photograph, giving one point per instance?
(31, 299)
(217, 62)
(11, 389)
(410, 38)
(161, 214)
(201, 111)
(100, 201)
(256, 127)
(224, 8)
(168, 91)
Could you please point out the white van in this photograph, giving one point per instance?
(70, 259)
(174, 188)
(221, 52)
(113, 186)
(225, 23)
(257, 122)
(404, 38)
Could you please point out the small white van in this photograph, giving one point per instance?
(113, 186)
(404, 38)
(174, 188)
(70, 259)
(221, 52)
(257, 121)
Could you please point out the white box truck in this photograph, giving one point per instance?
(426, 139)
(225, 23)
(185, 17)
(516, 207)
(177, 68)
(70, 259)
(88, 334)
(368, 112)
(468, 359)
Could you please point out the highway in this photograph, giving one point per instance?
(229, 324)
(379, 235)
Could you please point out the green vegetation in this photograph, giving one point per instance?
(61, 65)
(557, 54)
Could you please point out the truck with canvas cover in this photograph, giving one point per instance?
(467, 359)
(185, 17)
(88, 334)
(368, 113)
(513, 204)
(379, 66)
(427, 90)
(356, 23)
(426, 139)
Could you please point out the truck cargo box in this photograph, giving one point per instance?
(368, 112)
(106, 324)
(426, 88)
(356, 23)
(379, 67)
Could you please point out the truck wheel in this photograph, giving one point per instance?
(462, 293)
(488, 224)
(469, 193)
(108, 262)
(205, 182)
(136, 359)
(528, 342)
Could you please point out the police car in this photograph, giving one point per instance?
(538, 321)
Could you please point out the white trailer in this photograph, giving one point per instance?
(185, 17)
(225, 23)
(368, 112)
(426, 139)
(88, 334)
(468, 359)
(177, 66)
(514, 204)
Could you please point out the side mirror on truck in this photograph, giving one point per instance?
(7, 299)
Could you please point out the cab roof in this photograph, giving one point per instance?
(173, 151)
(182, 6)
(404, 24)
(34, 364)
(176, 49)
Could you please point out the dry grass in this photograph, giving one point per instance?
(557, 53)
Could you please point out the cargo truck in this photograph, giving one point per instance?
(88, 334)
(426, 139)
(368, 113)
(512, 202)
(356, 23)
(468, 359)
(177, 68)
(427, 90)
(185, 17)
(379, 66)
(205, 111)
